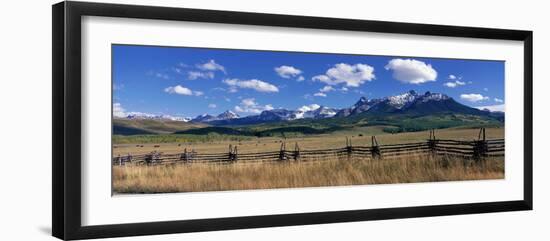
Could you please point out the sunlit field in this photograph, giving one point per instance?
(208, 177)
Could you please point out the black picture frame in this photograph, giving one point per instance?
(66, 169)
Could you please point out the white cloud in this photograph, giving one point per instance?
(344, 89)
(452, 77)
(450, 84)
(287, 72)
(180, 90)
(350, 75)
(193, 75)
(118, 111)
(454, 84)
(492, 107)
(211, 65)
(473, 97)
(254, 84)
(212, 106)
(301, 78)
(411, 71)
(311, 107)
(250, 105)
(498, 100)
(320, 94)
(321, 78)
(327, 88)
(485, 89)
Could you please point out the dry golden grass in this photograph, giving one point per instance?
(207, 177)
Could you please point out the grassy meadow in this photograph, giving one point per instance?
(207, 177)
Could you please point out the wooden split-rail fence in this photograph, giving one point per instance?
(477, 150)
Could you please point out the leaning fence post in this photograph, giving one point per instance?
(375, 149)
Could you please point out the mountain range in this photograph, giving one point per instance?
(410, 111)
(409, 103)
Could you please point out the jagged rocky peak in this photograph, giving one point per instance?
(227, 115)
(324, 112)
(434, 96)
(400, 101)
(204, 118)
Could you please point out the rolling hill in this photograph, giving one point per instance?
(151, 126)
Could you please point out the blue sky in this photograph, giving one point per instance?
(186, 82)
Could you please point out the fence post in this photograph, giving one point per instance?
(296, 152)
(230, 153)
(185, 156)
(375, 149)
(148, 158)
(480, 146)
(282, 152)
(349, 148)
(235, 154)
(432, 143)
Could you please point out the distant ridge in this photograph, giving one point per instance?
(410, 103)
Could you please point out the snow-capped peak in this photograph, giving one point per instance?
(400, 101)
(313, 111)
(324, 112)
(227, 115)
(141, 115)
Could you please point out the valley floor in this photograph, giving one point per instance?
(361, 136)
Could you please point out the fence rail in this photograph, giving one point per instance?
(476, 149)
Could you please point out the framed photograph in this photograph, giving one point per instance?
(171, 120)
